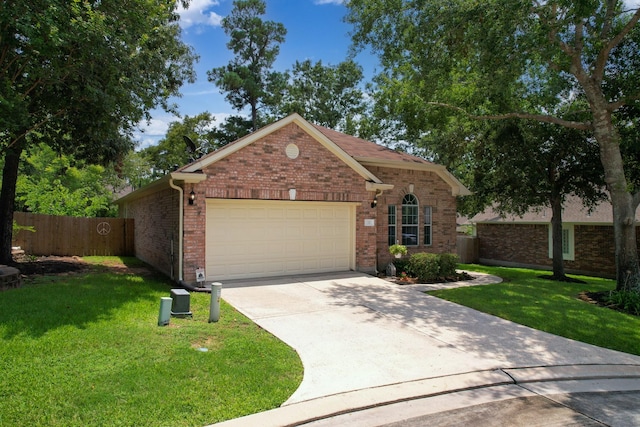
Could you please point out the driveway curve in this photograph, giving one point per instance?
(354, 332)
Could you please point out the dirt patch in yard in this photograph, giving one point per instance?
(56, 265)
(50, 265)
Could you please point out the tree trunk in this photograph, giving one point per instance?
(624, 232)
(556, 235)
(7, 199)
(254, 115)
(624, 208)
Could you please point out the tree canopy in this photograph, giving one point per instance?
(56, 184)
(172, 152)
(327, 95)
(256, 44)
(79, 76)
(474, 57)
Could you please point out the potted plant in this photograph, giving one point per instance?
(398, 250)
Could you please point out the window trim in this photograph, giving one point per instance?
(392, 224)
(415, 225)
(429, 224)
(570, 255)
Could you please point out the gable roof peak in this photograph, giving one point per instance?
(294, 118)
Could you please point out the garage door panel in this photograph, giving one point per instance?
(292, 233)
(265, 238)
(293, 213)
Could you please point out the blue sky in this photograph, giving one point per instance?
(315, 31)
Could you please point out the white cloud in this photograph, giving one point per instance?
(156, 127)
(199, 13)
(152, 132)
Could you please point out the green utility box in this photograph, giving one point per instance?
(181, 305)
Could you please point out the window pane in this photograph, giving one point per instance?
(410, 220)
(427, 225)
(392, 225)
(565, 241)
(410, 235)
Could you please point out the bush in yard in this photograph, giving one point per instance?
(402, 264)
(448, 264)
(426, 267)
(628, 302)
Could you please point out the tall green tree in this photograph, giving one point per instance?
(79, 75)
(474, 56)
(255, 44)
(327, 95)
(522, 165)
(231, 129)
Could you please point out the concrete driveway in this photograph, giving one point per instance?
(354, 331)
(359, 335)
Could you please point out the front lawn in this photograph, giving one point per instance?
(550, 306)
(85, 349)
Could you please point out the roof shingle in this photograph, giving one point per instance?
(362, 149)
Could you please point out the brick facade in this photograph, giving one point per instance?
(261, 170)
(156, 230)
(528, 245)
(430, 190)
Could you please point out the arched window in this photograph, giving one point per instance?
(410, 220)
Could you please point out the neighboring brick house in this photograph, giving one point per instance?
(587, 241)
(292, 198)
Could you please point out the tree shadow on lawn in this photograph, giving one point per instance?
(73, 300)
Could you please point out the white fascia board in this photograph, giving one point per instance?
(457, 188)
(188, 177)
(161, 184)
(373, 186)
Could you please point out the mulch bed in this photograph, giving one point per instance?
(414, 280)
(597, 298)
(601, 299)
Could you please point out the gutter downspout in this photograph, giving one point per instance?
(180, 227)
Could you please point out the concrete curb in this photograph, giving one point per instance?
(321, 408)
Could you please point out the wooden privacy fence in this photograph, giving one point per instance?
(68, 236)
(468, 249)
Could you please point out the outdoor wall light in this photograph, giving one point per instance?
(192, 197)
(374, 203)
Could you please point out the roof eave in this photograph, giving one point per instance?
(161, 183)
(457, 188)
(150, 188)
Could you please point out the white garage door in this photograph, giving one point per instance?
(257, 238)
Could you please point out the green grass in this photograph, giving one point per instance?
(550, 306)
(83, 350)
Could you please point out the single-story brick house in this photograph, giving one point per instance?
(587, 239)
(292, 198)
